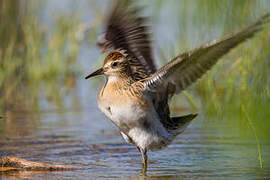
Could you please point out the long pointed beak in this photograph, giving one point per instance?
(96, 73)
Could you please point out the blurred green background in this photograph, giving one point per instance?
(47, 47)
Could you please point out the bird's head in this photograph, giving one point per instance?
(114, 64)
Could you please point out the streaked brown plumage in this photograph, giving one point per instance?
(135, 95)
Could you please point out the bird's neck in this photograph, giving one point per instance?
(121, 79)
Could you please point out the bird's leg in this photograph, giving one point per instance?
(144, 159)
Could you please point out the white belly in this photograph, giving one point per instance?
(123, 114)
(140, 124)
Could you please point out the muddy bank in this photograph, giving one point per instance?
(9, 163)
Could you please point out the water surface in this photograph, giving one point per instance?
(86, 139)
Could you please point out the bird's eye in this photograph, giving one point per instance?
(114, 64)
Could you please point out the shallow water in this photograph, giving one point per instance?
(86, 139)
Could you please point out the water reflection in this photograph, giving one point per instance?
(18, 124)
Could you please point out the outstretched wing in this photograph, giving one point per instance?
(126, 30)
(185, 69)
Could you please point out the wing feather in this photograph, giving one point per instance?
(188, 67)
(126, 30)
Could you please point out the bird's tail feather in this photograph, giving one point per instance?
(181, 123)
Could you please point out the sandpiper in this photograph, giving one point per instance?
(135, 96)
